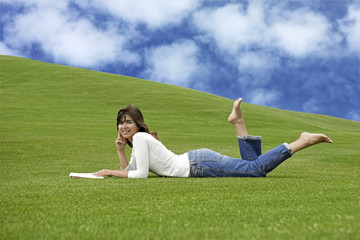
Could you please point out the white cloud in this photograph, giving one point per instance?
(312, 106)
(350, 26)
(257, 61)
(266, 26)
(68, 39)
(231, 26)
(300, 32)
(175, 64)
(5, 50)
(154, 14)
(265, 97)
(255, 68)
(34, 3)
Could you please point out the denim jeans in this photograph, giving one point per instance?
(207, 163)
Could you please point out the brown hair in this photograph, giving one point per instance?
(135, 113)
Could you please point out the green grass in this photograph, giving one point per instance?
(57, 119)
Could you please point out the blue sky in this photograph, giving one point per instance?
(294, 55)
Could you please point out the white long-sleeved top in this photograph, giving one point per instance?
(149, 154)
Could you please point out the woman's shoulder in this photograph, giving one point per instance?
(143, 135)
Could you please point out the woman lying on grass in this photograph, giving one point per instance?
(149, 154)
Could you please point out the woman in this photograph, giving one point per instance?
(149, 154)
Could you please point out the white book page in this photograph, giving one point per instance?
(84, 175)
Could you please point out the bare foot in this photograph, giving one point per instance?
(236, 114)
(314, 138)
(307, 139)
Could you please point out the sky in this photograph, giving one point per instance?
(295, 55)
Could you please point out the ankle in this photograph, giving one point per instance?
(239, 121)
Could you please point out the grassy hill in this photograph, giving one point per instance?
(56, 119)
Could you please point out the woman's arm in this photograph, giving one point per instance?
(139, 162)
(120, 143)
(123, 160)
(111, 173)
(138, 167)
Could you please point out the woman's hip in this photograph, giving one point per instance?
(208, 163)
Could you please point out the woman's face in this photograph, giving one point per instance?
(128, 128)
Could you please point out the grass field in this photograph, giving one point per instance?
(57, 119)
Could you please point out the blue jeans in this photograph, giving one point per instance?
(207, 163)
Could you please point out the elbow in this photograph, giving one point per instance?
(143, 175)
(138, 174)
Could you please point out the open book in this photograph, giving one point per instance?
(84, 175)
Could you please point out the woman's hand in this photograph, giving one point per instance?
(102, 173)
(110, 173)
(120, 142)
